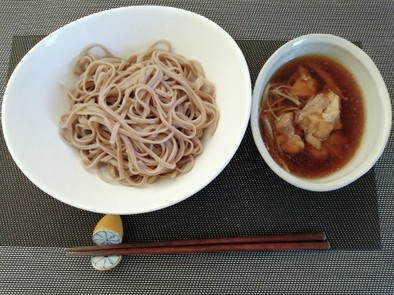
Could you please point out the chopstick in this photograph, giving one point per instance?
(283, 242)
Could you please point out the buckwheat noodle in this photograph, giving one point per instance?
(138, 119)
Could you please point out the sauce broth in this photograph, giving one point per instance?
(340, 146)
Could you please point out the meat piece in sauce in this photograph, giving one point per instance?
(335, 146)
(288, 140)
(302, 84)
(319, 117)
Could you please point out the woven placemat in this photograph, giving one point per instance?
(245, 199)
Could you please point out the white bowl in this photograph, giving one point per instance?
(34, 100)
(376, 103)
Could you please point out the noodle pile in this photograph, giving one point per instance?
(139, 119)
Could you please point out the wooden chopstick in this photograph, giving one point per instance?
(284, 242)
(321, 245)
(295, 237)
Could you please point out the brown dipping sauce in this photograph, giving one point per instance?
(340, 146)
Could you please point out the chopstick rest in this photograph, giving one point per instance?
(108, 231)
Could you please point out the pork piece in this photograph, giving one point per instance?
(288, 140)
(302, 84)
(319, 117)
(332, 112)
(335, 146)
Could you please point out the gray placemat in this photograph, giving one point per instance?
(246, 198)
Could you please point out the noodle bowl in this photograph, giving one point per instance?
(35, 99)
(139, 119)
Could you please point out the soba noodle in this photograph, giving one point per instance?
(139, 119)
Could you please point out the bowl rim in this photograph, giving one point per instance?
(237, 141)
(317, 184)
